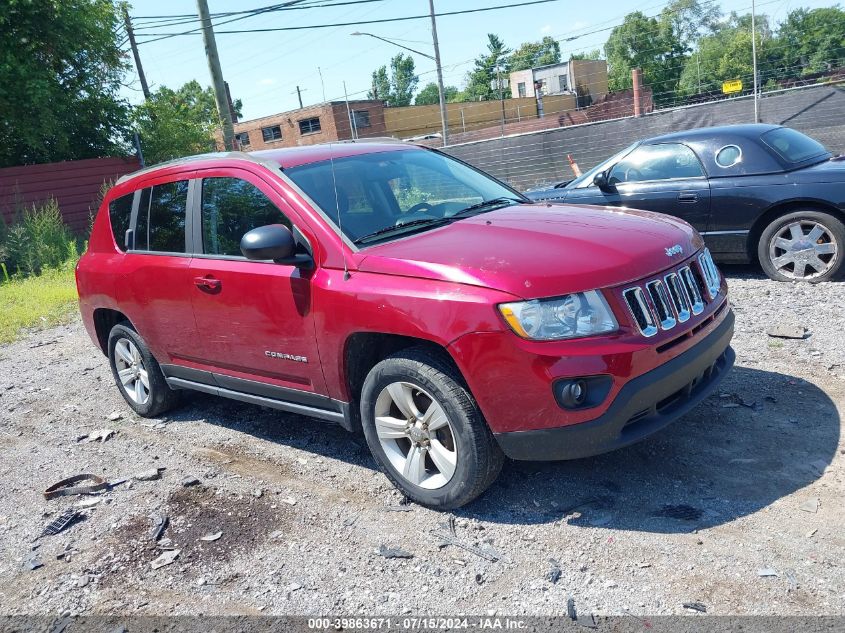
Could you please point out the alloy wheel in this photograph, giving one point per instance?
(131, 371)
(415, 435)
(804, 249)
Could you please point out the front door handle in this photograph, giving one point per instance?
(207, 283)
(687, 197)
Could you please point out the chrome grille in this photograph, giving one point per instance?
(662, 303)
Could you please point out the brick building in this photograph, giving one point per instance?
(319, 123)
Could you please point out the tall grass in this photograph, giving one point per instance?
(38, 239)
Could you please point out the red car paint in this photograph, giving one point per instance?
(441, 286)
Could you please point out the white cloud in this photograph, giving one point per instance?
(267, 81)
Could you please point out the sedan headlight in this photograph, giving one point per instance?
(571, 316)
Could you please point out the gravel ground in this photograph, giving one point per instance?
(738, 506)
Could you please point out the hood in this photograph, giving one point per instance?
(539, 250)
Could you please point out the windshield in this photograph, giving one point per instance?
(586, 180)
(411, 190)
(792, 146)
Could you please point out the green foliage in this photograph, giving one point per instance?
(593, 54)
(60, 72)
(408, 195)
(398, 88)
(482, 81)
(811, 41)
(38, 240)
(175, 123)
(430, 95)
(40, 301)
(534, 54)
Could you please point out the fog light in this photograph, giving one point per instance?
(573, 394)
(581, 393)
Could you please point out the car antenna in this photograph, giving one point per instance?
(337, 208)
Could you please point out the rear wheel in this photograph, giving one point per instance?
(426, 431)
(802, 246)
(137, 373)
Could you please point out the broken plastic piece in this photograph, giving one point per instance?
(62, 522)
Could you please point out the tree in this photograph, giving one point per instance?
(397, 89)
(534, 54)
(178, 122)
(593, 54)
(60, 72)
(811, 41)
(689, 20)
(489, 67)
(430, 95)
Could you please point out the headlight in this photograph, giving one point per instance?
(570, 316)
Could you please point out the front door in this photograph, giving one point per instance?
(254, 319)
(666, 177)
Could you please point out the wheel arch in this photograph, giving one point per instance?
(104, 320)
(782, 208)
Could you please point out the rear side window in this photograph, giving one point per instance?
(161, 218)
(120, 212)
(230, 208)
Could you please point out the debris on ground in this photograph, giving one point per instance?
(811, 533)
(767, 572)
(165, 559)
(67, 487)
(810, 505)
(114, 416)
(791, 580)
(160, 523)
(787, 331)
(554, 573)
(100, 434)
(33, 562)
(570, 608)
(696, 606)
(258, 493)
(62, 522)
(486, 553)
(393, 552)
(189, 481)
(289, 500)
(149, 475)
(88, 503)
(208, 538)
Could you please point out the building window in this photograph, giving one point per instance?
(272, 133)
(520, 89)
(308, 126)
(361, 118)
(243, 138)
(564, 84)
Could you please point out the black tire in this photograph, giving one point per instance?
(478, 457)
(160, 397)
(833, 239)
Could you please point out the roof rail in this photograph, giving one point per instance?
(369, 139)
(198, 157)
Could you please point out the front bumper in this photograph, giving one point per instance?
(643, 406)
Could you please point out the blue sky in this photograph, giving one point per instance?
(263, 69)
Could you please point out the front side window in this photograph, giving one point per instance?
(272, 133)
(120, 212)
(230, 208)
(307, 126)
(657, 162)
(380, 190)
(161, 218)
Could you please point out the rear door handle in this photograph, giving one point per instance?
(207, 283)
(687, 197)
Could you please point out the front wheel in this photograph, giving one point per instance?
(802, 246)
(426, 432)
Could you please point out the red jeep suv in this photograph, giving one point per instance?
(392, 289)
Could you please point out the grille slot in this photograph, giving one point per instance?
(710, 273)
(660, 299)
(693, 291)
(680, 298)
(640, 310)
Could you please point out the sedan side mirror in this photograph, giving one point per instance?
(600, 181)
(276, 242)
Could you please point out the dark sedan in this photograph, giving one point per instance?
(755, 192)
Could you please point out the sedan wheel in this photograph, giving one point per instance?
(803, 250)
(415, 435)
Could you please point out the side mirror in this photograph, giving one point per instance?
(600, 181)
(276, 242)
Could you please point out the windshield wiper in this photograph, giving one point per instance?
(399, 228)
(481, 206)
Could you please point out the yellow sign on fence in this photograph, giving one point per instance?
(732, 86)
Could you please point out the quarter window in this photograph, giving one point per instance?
(120, 212)
(161, 218)
(230, 208)
(272, 133)
(307, 126)
(657, 162)
(728, 156)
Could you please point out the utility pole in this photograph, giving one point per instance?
(216, 76)
(299, 96)
(141, 76)
(443, 114)
(501, 94)
(754, 60)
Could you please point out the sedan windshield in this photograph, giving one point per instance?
(384, 195)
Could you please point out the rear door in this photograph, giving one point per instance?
(254, 318)
(154, 281)
(666, 177)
